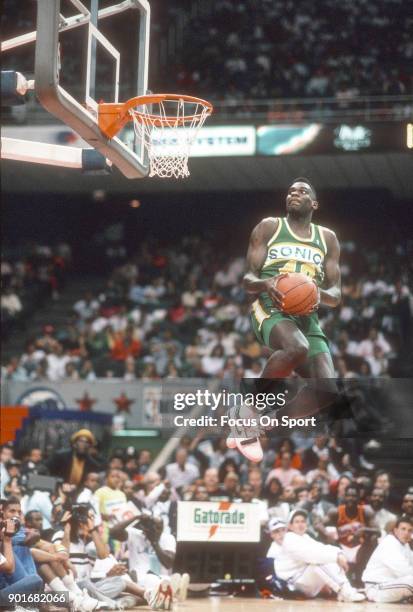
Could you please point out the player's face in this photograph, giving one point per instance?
(404, 532)
(299, 525)
(300, 200)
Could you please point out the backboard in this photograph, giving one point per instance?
(102, 60)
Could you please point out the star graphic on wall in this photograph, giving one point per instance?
(86, 402)
(123, 402)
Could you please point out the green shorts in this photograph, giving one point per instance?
(264, 316)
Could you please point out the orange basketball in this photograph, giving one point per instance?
(300, 293)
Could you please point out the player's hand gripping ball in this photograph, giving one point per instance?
(299, 293)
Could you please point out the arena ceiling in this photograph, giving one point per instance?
(393, 172)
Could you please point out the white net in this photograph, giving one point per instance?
(168, 129)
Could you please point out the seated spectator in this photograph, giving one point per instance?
(231, 485)
(212, 486)
(98, 573)
(388, 575)
(151, 551)
(407, 505)
(181, 473)
(285, 473)
(75, 463)
(86, 495)
(357, 530)
(14, 578)
(311, 566)
(382, 517)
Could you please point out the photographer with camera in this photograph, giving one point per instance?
(151, 551)
(15, 577)
(98, 572)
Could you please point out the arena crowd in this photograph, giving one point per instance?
(105, 532)
(236, 50)
(180, 311)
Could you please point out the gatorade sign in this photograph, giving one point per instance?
(218, 522)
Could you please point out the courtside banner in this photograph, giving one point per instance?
(218, 522)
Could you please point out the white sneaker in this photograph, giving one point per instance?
(175, 582)
(183, 587)
(179, 584)
(160, 597)
(126, 602)
(347, 593)
(87, 603)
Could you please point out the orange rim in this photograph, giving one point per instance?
(114, 116)
(167, 119)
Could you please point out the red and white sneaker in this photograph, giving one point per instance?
(245, 435)
(249, 447)
(160, 597)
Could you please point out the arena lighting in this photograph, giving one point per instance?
(409, 134)
(134, 203)
(140, 433)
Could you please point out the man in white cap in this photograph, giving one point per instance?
(277, 529)
(311, 566)
(389, 572)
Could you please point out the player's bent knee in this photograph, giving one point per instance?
(297, 354)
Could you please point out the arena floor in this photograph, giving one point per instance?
(228, 604)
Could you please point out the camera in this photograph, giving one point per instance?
(16, 521)
(80, 513)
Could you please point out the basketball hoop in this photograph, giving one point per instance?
(167, 125)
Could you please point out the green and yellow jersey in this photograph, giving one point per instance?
(287, 252)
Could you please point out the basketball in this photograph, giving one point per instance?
(300, 293)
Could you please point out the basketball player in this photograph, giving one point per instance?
(357, 530)
(279, 246)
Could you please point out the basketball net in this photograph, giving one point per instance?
(168, 128)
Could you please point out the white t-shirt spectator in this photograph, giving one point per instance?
(212, 365)
(56, 366)
(142, 557)
(81, 555)
(179, 477)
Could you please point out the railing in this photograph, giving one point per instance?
(287, 110)
(297, 110)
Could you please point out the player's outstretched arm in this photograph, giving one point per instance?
(332, 295)
(257, 252)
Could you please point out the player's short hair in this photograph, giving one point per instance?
(303, 179)
(404, 518)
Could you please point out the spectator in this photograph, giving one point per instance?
(311, 566)
(181, 473)
(75, 463)
(388, 576)
(285, 473)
